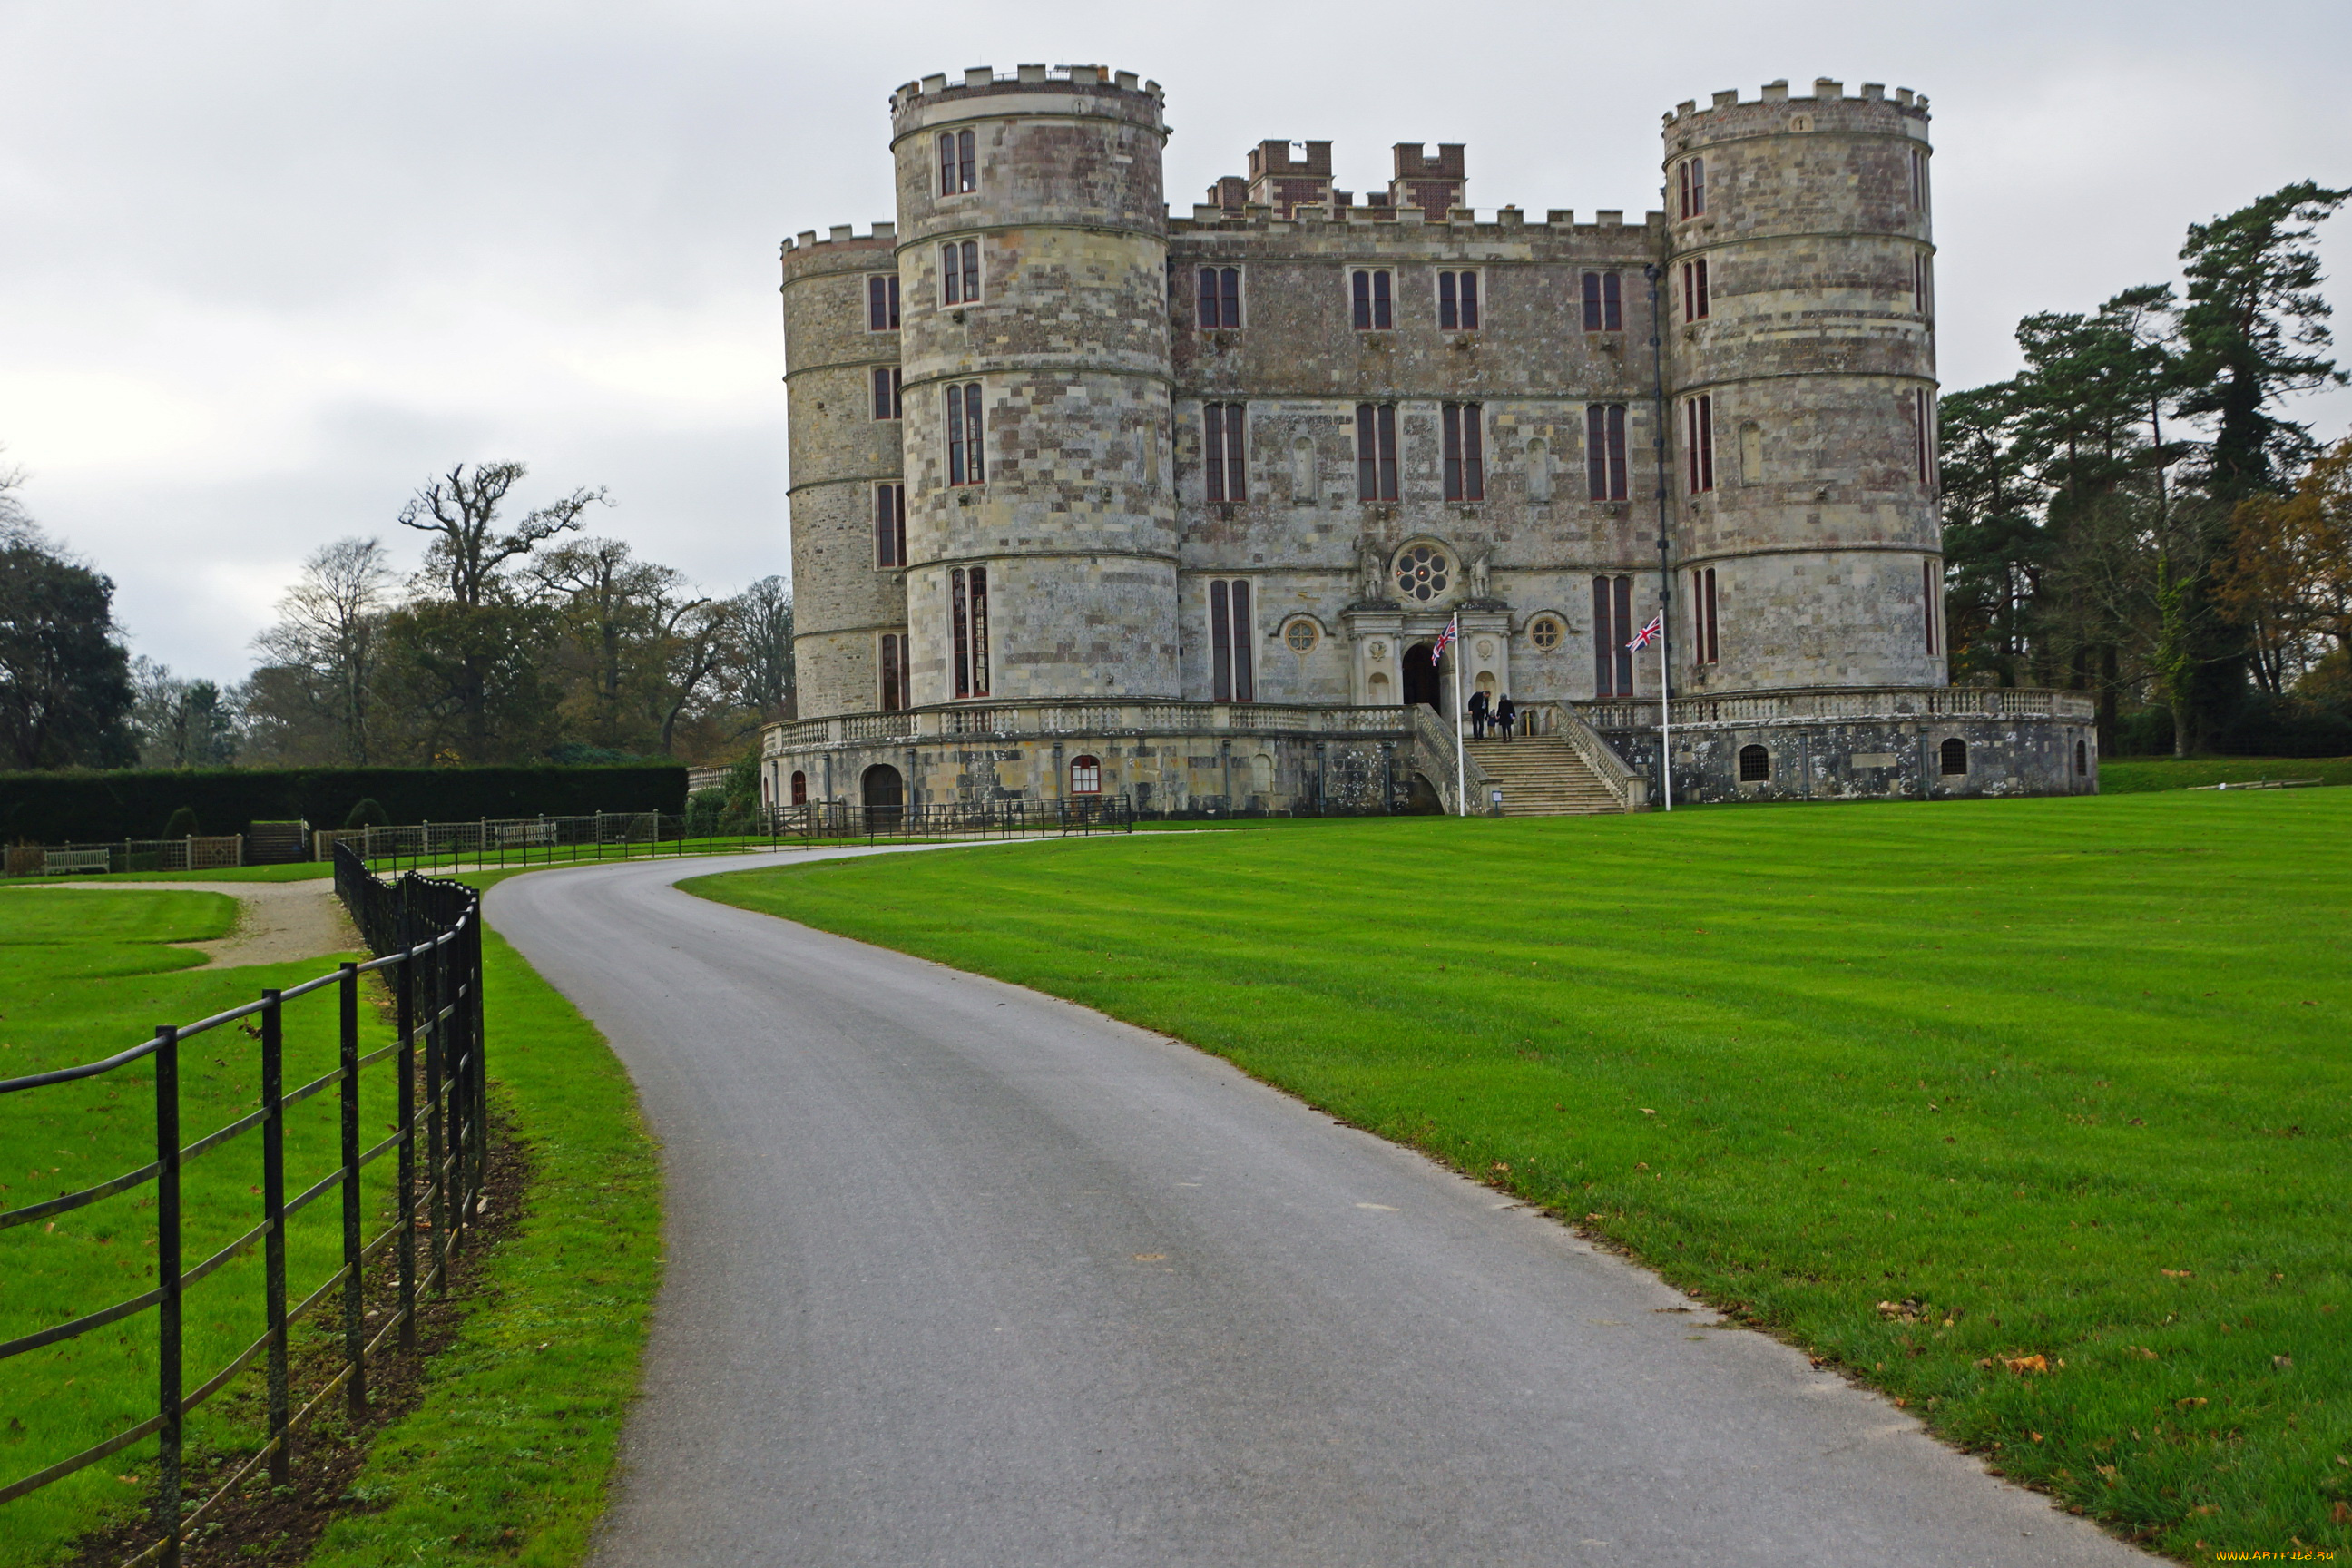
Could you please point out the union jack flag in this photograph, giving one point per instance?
(1444, 640)
(1651, 632)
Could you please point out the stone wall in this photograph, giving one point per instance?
(842, 601)
(1874, 759)
(1076, 522)
(1814, 352)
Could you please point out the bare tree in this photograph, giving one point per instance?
(329, 630)
(469, 650)
(694, 636)
(16, 524)
(759, 659)
(468, 554)
(614, 605)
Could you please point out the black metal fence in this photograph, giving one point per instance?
(428, 935)
(642, 835)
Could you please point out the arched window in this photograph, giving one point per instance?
(1755, 765)
(800, 787)
(1955, 756)
(2081, 759)
(1085, 776)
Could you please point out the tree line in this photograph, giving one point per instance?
(2133, 514)
(520, 638)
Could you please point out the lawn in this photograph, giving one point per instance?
(505, 1457)
(2131, 775)
(2033, 1113)
(84, 974)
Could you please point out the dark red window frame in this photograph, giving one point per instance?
(882, 302)
(967, 464)
(1224, 452)
(1457, 302)
(1376, 462)
(890, 525)
(968, 640)
(1604, 302)
(1604, 451)
(1231, 636)
(1466, 451)
(1375, 303)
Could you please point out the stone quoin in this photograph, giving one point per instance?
(1090, 499)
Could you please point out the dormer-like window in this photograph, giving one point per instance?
(958, 168)
(960, 272)
(1457, 302)
(1221, 298)
(1604, 302)
(1694, 187)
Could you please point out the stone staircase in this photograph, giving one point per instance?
(1541, 776)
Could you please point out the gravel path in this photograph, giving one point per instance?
(277, 923)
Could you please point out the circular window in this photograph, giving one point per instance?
(1423, 572)
(1545, 633)
(1301, 636)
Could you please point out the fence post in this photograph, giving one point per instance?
(405, 1002)
(167, 1273)
(477, 1018)
(436, 1172)
(273, 1208)
(354, 1329)
(460, 1105)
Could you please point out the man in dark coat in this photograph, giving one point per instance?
(1477, 715)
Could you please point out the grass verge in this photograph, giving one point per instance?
(506, 1458)
(2033, 1113)
(84, 974)
(2133, 776)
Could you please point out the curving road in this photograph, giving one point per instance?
(961, 1275)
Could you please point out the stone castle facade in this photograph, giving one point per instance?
(1092, 498)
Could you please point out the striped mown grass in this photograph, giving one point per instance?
(1932, 1090)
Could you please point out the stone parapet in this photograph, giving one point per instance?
(1028, 719)
(1819, 703)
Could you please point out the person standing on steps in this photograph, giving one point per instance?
(1507, 713)
(1477, 715)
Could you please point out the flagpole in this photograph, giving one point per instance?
(1665, 722)
(1461, 771)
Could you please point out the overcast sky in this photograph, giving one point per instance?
(264, 268)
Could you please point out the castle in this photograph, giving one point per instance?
(1089, 499)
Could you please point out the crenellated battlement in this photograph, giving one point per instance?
(843, 236)
(1462, 223)
(979, 79)
(1826, 90)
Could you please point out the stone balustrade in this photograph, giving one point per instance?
(1047, 720)
(1814, 705)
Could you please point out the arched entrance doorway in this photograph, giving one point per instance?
(885, 795)
(1421, 677)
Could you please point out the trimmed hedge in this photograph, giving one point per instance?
(59, 808)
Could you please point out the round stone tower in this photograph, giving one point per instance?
(846, 596)
(1033, 262)
(1798, 308)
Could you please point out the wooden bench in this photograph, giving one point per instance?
(57, 862)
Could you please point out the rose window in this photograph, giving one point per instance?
(1545, 633)
(1301, 636)
(1423, 572)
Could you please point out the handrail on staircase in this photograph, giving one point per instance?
(1435, 747)
(1561, 721)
